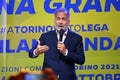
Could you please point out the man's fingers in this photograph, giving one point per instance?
(59, 45)
(38, 42)
(47, 47)
(59, 42)
(43, 48)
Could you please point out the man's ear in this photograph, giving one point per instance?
(68, 21)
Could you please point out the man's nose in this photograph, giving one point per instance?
(61, 22)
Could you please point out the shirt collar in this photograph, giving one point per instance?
(65, 33)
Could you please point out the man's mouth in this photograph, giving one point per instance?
(60, 26)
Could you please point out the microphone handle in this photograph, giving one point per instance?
(61, 35)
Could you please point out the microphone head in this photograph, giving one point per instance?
(61, 31)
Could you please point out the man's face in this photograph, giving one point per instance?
(61, 20)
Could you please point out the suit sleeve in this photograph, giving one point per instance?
(77, 56)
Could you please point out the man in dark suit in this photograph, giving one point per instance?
(62, 48)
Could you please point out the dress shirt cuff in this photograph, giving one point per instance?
(34, 54)
(66, 53)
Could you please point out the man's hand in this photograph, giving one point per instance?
(61, 47)
(41, 49)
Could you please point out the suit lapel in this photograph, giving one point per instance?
(67, 39)
(54, 38)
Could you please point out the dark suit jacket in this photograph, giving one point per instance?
(64, 66)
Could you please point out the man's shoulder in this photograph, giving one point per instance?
(74, 34)
(49, 32)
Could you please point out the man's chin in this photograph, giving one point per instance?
(61, 27)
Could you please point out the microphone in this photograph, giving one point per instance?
(61, 34)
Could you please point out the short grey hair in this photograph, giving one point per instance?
(62, 10)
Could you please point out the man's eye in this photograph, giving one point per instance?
(57, 18)
(64, 19)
